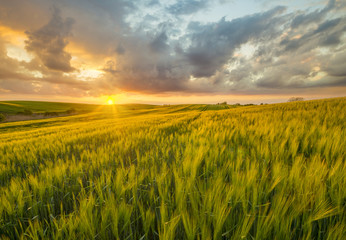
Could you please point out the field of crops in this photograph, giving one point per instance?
(257, 172)
(13, 107)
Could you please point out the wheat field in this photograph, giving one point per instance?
(258, 172)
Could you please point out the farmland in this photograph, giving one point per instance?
(177, 172)
(13, 107)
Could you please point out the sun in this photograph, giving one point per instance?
(112, 99)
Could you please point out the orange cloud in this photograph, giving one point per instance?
(11, 35)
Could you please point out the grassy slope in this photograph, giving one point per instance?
(13, 107)
(95, 112)
(177, 172)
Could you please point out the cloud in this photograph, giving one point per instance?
(185, 7)
(20, 14)
(120, 50)
(153, 47)
(159, 44)
(304, 19)
(213, 44)
(49, 42)
(155, 63)
(335, 66)
(327, 33)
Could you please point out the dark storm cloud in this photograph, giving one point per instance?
(152, 50)
(325, 26)
(327, 33)
(145, 67)
(18, 77)
(213, 44)
(304, 19)
(335, 66)
(93, 29)
(331, 31)
(120, 49)
(49, 42)
(159, 44)
(294, 60)
(99, 24)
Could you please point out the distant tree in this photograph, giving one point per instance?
(295, 99)
(222, 103)
(2, 117)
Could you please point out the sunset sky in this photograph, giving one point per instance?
(184, 51)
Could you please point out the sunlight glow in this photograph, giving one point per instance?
(110, 102)
(119, 98)
(89, 74)
(18, 53)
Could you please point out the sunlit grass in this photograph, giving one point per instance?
(262, 172)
